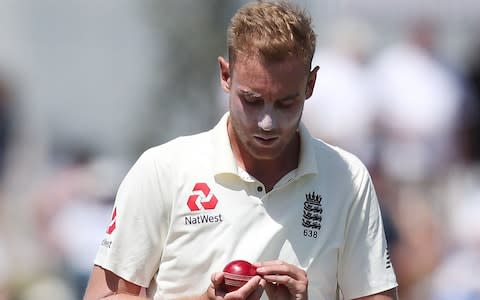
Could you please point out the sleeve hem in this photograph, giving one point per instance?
(371, 290)
(125, 277)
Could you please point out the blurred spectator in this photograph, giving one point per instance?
(457, 276)
(418, 101)
(6, 119)
(470, 125)
(340, 111)
(73, 207)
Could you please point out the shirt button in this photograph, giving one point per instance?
(259, 188)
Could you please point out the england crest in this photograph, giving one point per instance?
(312, 211)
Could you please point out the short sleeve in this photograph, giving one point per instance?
(364, 262)
(133, 243)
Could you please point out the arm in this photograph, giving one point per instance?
(104, 284)
(365, 247)
(387, 295)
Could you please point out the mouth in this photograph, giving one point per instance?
(265, 140)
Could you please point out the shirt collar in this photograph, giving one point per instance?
(223, 159)
(307, 164)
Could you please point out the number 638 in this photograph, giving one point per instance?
(310, 233)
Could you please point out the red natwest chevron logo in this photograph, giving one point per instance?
(201, 195)
(113, 223)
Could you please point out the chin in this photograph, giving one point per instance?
(265, 155)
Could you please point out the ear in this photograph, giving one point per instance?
(225, 77)
(312, 77)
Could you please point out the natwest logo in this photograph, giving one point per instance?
(113, 223)
(201, 195)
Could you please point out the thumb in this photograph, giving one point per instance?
(217, 279)
(218, 286)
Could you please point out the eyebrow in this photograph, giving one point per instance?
(289, 97)
(250, 94)
(259, 96)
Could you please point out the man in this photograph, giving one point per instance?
(256, 187)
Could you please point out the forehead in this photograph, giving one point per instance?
(252, 59)
(255, 72)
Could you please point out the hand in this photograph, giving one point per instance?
(284, 281)
(252, 290)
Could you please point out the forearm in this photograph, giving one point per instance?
(132, 297)
(123, 297)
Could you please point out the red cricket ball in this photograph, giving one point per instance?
(237, 273)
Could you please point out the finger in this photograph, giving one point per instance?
(263, 283)
(268, 263)
(273, 290)
(259, 290)
(217, 279)
(270, 288)
(217, 286)
(251, 290)
(282, 269)
(279, 281)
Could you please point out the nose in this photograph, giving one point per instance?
(266, 122)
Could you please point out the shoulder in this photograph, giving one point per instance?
(173, 157)
(180, 148)
(337, 158)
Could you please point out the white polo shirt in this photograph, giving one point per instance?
(185, 209)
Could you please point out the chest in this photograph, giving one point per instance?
(296, 222)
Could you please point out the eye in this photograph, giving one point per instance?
(250, 100)
(286, 103)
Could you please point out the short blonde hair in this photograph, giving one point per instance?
(272, 31)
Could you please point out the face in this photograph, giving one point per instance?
(266, 104)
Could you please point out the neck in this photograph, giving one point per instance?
(267, 171)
